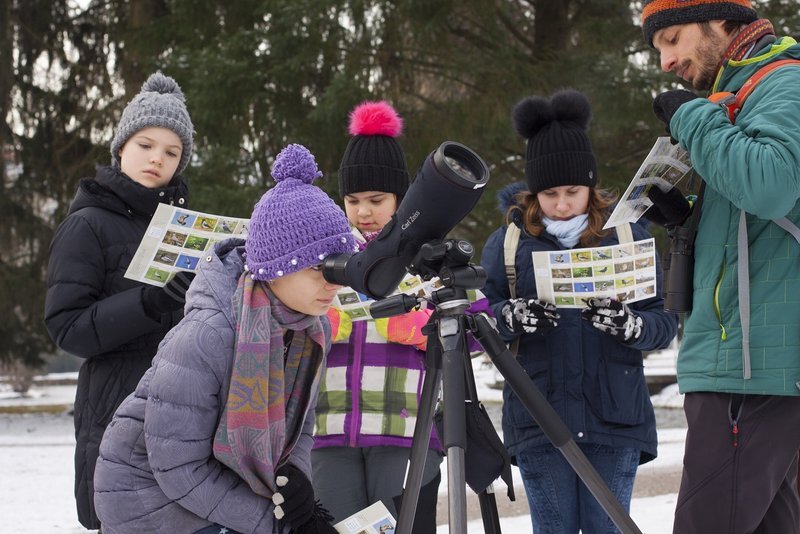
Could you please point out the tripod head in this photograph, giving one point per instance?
(449, 259)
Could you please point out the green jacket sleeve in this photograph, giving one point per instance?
(754, 163)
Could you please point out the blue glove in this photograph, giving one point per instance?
(613, 317)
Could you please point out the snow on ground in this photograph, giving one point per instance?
(653, 515)
(36, 464)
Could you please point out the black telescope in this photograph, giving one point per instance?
(446, 188)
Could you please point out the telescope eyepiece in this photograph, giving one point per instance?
(333, 269)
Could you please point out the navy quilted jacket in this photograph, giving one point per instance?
(595, 383)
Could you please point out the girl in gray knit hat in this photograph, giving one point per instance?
(92, 310)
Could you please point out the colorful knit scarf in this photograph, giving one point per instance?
(741, 44)
(270, 388)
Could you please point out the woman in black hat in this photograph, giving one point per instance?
(588, 362)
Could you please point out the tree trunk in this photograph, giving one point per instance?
(141, 14)
(551, 26)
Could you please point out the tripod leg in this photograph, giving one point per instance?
(421, 438)
(491, 518)
(452, 337)
(553, 427)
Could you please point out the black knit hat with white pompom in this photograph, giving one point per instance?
(559, 152)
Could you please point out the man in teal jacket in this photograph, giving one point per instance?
(739, 362)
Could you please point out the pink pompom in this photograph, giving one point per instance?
(375, 118)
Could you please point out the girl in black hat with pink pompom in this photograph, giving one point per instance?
(372, 385)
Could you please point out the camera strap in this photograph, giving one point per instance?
(694, 218)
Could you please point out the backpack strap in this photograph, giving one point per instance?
(789, 226)
(510, 244)
(624, 233)
(734, 102)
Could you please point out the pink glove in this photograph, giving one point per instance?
(341, 325)
(405, 329)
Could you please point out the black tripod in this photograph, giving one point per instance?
(448, 366)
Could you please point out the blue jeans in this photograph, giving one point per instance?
(559, 501)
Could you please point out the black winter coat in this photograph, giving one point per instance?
(94, 312)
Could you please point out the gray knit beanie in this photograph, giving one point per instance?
(159, 104)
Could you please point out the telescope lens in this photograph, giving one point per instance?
(459, 168)
(461, 165)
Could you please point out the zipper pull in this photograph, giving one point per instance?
(735, 431)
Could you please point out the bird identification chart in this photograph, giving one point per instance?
(625, 272)
(665, 165)
(356, 304)
(175, 241)
(374, 519)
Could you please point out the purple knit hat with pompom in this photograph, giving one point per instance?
(295, 225)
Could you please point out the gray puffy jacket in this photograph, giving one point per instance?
(157, 471)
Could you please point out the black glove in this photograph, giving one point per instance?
(668, 209)
(529, 316)
(613, 317)
(171, 297)
(294, 500)
(667, 103)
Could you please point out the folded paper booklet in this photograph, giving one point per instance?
(664, 166)
(374, 519)
(176, 240)
(625, 272)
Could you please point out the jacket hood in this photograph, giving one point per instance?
(112, 190)
(505, 198)
(217, 277)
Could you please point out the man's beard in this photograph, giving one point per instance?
(709, 53)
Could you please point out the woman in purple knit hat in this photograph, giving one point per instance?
(217, 435)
